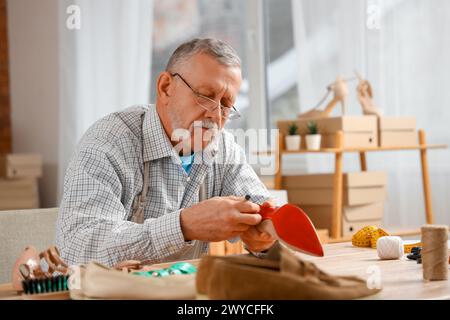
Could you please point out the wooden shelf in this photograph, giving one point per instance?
(336, 223)
(335, 150)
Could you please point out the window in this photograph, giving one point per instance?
(281, 61)
(176, 21)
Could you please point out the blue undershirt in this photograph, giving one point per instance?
(186, 162)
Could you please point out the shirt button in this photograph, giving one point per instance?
(188, 179)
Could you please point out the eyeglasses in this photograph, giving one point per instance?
(229, 113)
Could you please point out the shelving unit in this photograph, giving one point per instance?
(336, 231)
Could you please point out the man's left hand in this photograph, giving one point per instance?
(257, 240)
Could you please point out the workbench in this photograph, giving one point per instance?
(399, 279)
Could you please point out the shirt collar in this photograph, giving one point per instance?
(156, 143)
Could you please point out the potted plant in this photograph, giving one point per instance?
(313, 137)
(293, 138)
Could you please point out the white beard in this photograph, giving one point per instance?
(186, 145)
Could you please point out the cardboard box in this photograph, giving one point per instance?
(351, 140)
(324, 235)
(20, 166)
(353, 217)
(356, 124)
(397, 132)
(22, 193)
(19, 203)
(351, 196)
(325, 180)
(317, 189)
(268, 181)
(351, 227)
(359, 131)
(398, 139)
(11, 187)
(363, 198)
(397, 123)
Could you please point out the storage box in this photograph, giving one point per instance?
(325, 180)
(317, 189)
(324, 235)
(364, 194)
(351, 196)
(268, 181)
(22, 193)
(353, 217)
(358, 131)
(20, 166)
(397, 132)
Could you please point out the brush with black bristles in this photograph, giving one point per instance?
(55, 287)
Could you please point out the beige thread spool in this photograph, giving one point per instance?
(434, 252)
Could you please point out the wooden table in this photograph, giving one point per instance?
(400, 279)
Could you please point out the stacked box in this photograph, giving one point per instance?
(362, 204)
(358, 131)
(20, 166)
(397, 132)
(19, 175)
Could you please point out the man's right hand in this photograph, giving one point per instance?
(219, 218)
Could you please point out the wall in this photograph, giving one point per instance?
(33, 52)
(5, 110)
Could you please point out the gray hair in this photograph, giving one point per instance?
(218, 49)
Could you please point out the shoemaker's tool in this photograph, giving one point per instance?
(292, 226)
(415, 254)
(177, 268)
(368, 236)
(28, 265)
(41, 275)
(410, 244)
(47, 288)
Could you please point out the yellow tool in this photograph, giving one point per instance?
(363, 236)
(369, 235)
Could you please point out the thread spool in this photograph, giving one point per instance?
(390, 247)
(435, 252)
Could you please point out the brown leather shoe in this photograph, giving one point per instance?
(285, 277)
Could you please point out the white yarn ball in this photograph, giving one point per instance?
(390, 247)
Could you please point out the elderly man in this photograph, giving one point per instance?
(159, 182)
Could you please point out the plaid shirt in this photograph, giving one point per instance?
(105, 175)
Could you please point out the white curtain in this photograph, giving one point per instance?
(402, 48)
(105, 64)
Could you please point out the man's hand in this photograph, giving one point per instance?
(255, 238)
(219, 218)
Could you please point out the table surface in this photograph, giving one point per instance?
(399, 279)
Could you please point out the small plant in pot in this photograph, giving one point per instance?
(313, 137)
(293, 138)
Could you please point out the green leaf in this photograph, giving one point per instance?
(293, 129)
